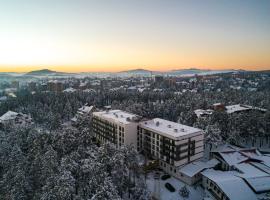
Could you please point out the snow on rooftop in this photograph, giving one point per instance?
(168, 128)
(262, 166)
(234, 187)
(194, 168)
(86, 109)
(3, 98)
(70, 90)
(116, 115)
(200, 112)
(226, 148)
(233, 158)
(89, 90)
(236, 108)
(249, 170)
(259, 184)
(10, 115)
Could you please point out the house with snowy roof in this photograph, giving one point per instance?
(226, 185)
(85, 111)
(191, 173)
(249, 165)
(230, 155)
(14, 118)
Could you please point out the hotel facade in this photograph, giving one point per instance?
(115, 126)
(172, 144)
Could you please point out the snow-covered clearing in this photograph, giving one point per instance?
(196, 193)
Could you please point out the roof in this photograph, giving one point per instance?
(194, 168)
(200, 112)
(250, 170)
(86, 109)
(236, 108)
(234, 187)
(235, 155)
(226, 148)
(10, 115)
(70, 90)
(259, 184)
(233, 158)
(168, 128)
(117, 116)
(89, 90)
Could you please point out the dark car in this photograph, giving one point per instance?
(165, 177)
(169, 187)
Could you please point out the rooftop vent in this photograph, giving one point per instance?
(176, 130)
(183, 130)
(157, 123)
(169, 126)
(145, 122)
(122, 116)
(128, 119)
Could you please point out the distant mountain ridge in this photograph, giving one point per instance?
(190, 71)
(136, 71)
(45, 72)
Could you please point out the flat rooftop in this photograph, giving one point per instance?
(116, 116)
(168, 128)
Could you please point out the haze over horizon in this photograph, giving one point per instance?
(118, 35)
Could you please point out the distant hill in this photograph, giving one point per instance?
(136, 71)
(189, 71)
(46, 72)
(193, 71)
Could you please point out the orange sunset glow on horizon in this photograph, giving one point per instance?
(113, 36)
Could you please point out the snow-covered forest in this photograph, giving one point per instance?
(50, 160)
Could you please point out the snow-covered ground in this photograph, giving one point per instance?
(196, 193)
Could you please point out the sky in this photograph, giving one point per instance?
(116, 35)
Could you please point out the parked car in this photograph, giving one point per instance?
(169, 187)
(165, 177)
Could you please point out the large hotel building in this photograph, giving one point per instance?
(172, 144)
(115, 126)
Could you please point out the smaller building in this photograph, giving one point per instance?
(226, 185)
(82, 113)
(55, 86)
(242, 108)
(200, 113)
(218, 106)
(191, 173)
(14, 118)
(69, 90)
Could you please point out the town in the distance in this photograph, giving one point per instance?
(183, 134)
